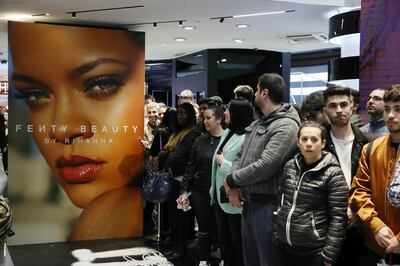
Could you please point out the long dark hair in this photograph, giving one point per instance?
(169, 121)
(191, 116)
(241, 113)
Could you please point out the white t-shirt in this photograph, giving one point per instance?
(343, 151)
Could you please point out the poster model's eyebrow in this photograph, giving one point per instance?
(16, 77)
(93, 64)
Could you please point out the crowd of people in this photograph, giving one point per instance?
(279, 185)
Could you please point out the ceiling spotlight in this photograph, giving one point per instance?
(180, 23)
(238, 40)
(242, 26)
(73, 14)
(180, 39)
(224, 60)
(189, 27)
(221, 20)
(155, 25)
(41, 15)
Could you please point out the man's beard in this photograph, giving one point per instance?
(339, 122)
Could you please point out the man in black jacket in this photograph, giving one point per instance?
(345, 141)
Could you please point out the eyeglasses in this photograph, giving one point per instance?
(375, 98)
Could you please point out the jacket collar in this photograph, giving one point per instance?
(327, 160)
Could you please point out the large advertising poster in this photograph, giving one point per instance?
(380, 38)
(76, 100)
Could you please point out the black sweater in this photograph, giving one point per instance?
(198, 169)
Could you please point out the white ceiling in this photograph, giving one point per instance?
(310, 16)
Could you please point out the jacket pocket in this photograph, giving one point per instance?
(314, 227)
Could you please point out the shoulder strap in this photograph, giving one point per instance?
(368, 154)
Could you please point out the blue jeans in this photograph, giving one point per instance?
(259, 248)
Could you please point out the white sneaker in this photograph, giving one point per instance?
(204, 263)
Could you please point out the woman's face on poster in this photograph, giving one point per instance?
(82, 87)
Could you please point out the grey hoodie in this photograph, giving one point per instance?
(269, 143)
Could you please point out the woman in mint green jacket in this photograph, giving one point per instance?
(238, 116)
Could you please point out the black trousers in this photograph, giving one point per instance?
(290, 259)
(370, 258)
(200, 202)
(181, 223)
(229, 237)
(351, 248)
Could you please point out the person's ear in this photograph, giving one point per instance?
(323, 144)
(355, 107)
(324, 111)
(265, 93)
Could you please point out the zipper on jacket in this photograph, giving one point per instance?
(296, 192)
(289, 218)
(314, 227)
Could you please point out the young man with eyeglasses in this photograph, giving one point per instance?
(375, 106)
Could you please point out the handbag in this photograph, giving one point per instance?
(5, 218)
(157, 185)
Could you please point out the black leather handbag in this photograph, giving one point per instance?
(157, 186)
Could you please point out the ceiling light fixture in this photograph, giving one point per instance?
(263, 14)
(150, 23)
(180, 23)
(41, 15)
(242, 26)
(73, 14)
(221, 19)
(15, 16)
(180, 39)
(189, 27)
(102, 9)
(224, 60)
(238, 40)
(155, 24)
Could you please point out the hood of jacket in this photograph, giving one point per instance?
(286, 110)
(328, 159)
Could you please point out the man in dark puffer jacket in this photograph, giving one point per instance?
(311, 220)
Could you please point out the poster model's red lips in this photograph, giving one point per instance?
(78, 169)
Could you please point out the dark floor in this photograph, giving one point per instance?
(190, 257)
(59, 253)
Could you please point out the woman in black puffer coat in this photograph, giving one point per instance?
(311, 220)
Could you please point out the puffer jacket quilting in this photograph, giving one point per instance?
(312, 215)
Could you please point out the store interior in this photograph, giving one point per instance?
(207, 46)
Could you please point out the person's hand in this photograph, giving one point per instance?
(145, 144)
(383, 236)
(235, 197)
(226, 186)
(394, 246)
(327, 263)
(182, 199)
(219, 158)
